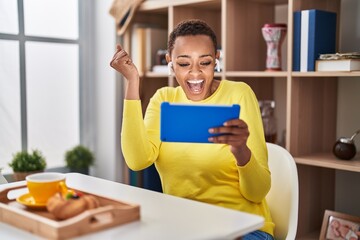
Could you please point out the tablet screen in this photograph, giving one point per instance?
(191, 123)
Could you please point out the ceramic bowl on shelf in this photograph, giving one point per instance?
(344, 148)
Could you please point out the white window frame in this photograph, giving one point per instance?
(86, 73)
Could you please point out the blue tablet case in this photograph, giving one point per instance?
(191, 123)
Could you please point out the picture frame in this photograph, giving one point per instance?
(339, 226)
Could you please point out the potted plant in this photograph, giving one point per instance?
(24, 163)
(79, 159)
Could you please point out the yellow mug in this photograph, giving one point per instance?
(44, 185)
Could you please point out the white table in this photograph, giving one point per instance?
(161, 216)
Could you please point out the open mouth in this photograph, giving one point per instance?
(196, 86)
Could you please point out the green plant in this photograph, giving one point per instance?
(26, 162)
(79, 157)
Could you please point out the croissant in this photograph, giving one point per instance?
(64, 208)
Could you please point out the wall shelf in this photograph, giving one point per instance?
(308, 99)
(327, 160)
(326, 74)
(256, 74)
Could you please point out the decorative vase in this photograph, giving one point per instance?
(274, 35)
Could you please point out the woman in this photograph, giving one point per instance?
(232, 173)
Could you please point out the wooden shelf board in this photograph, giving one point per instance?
(164, 4)
(328, 160)
(326, 74)
(154, 5)
(150, 74)
(271, 74)
(218, 74)
(255, 74)
(277, 2)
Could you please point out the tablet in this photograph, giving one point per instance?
(191, 123)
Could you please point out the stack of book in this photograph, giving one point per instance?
(338, 62)
(314, 34)
(146, 40)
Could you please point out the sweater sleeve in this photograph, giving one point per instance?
(139, 144)
(255, 177)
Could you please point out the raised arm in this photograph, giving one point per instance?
(122, 63)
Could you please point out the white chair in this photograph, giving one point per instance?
(283, 197)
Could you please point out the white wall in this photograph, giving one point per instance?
(107, 106)
(348, 117)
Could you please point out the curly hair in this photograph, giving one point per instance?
(191, 27)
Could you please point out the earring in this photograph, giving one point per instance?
(217, 65)
(170, 65)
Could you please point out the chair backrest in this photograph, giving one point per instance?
(283, 197)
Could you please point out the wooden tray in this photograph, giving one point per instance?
(41, 222)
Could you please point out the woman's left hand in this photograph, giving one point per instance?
(235, 133)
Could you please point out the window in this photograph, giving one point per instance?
(40, 78)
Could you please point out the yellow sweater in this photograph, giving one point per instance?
(202, 171)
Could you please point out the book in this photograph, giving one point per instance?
(151, 179)
(138, 47)
(304, 40)
(156, 40)
(146, 40)
(338, 65)
(296, 40)
(318, 36)
(160, 69)
(347, 55)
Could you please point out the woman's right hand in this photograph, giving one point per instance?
(122, 63)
